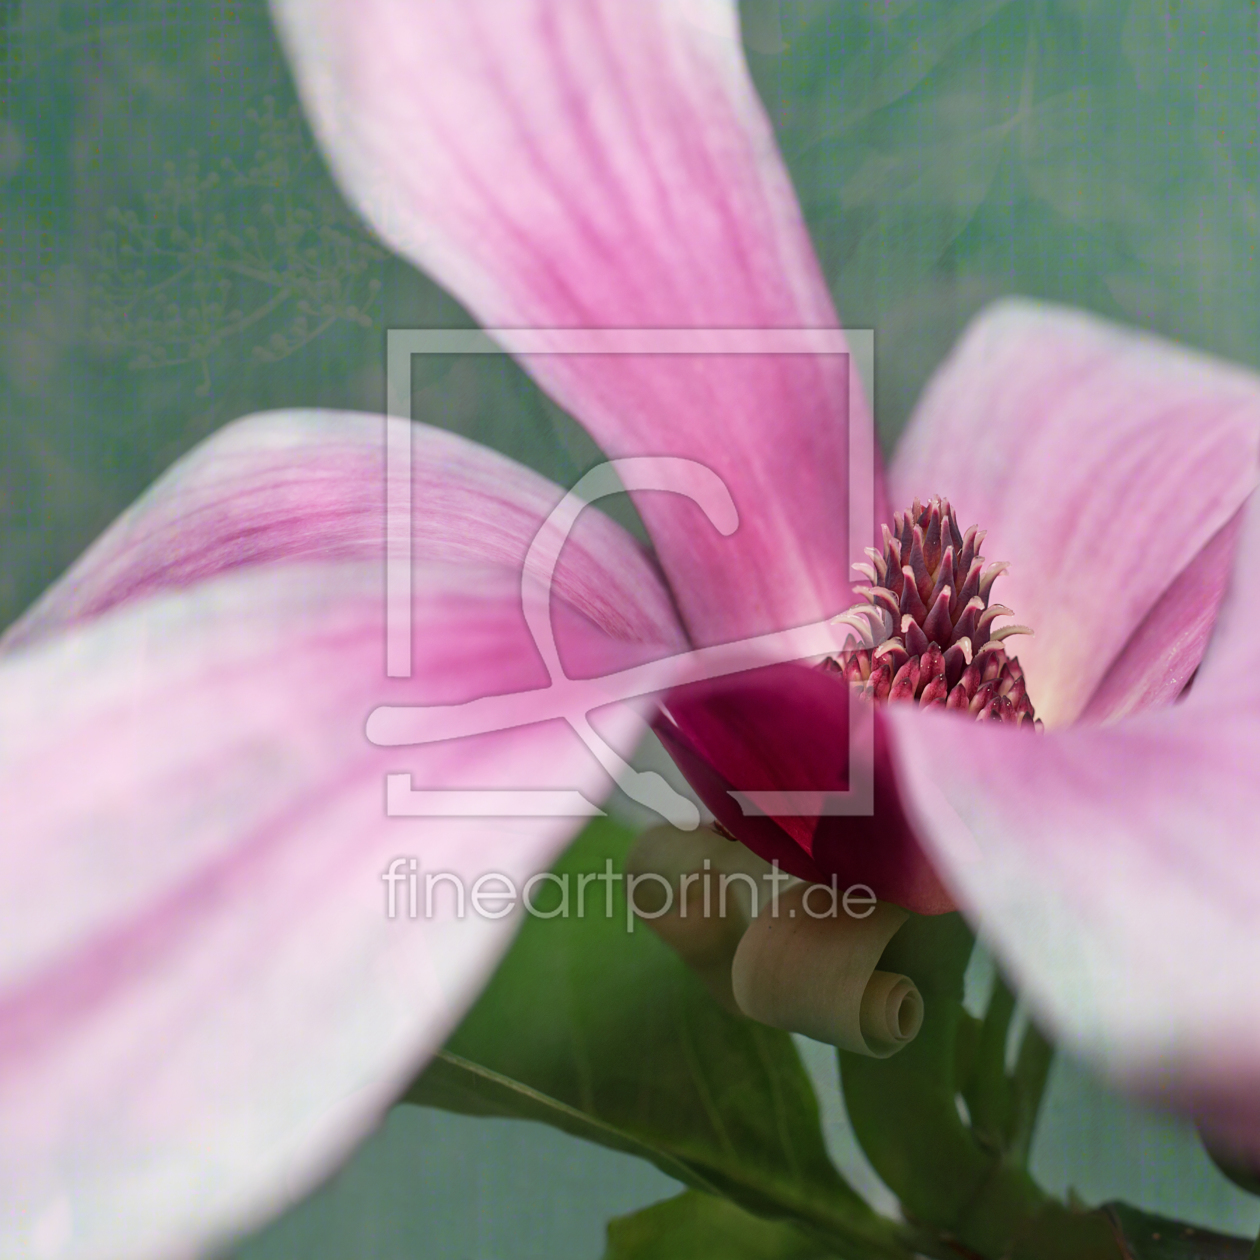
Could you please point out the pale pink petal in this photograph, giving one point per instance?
(310, 485)
(1162, 654)
(1116, 870)
(579, 164)
(203, 1003)
(1102, 462)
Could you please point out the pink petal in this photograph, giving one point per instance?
(586, 164)
(739, 729)
(1116, 869)
(203, 1004)
(310, 485)
(785, 728)
(1160, 658)
(1102, 462)
(762, 835)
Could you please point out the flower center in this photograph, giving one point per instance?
(927, 627)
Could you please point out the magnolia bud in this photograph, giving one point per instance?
(816, 974)
(718, 885)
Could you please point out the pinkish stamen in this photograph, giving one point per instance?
(927, 627)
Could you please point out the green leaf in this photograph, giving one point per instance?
(987, 1093)
(904, 1110)
(454, 1083)
(696, 1225)
(1148, 1237)
(954, 1172)
(603, 1033)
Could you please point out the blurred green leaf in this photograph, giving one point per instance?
(696, 1225)
(605, 1034)
(1148, 1237)
(1002, 1104)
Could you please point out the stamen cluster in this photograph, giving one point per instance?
(927, 627)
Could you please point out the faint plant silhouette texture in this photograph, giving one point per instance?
(174, 283)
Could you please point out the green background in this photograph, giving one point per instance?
(173, 255)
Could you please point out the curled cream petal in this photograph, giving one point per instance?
(859, 623)
(891, 1013)
(818, 975)
(991, 574)
(717, 886)
(877, 559)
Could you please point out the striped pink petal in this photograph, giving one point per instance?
(310, 485)
(1103, 463)
(586, 164)
(1160, 658)
(203, 1002)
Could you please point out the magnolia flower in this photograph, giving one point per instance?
(204, 1002)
